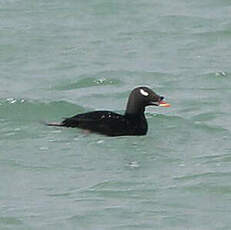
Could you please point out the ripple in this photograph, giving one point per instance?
(89, 82)
(216, 158)
(196, 121)
(207, 188)
(202, 175)
(134, 164)
(221, 74)
(113, 184)
(207, 116)
(86, 81)
(65, 194)
(10, 221)
(28, 110)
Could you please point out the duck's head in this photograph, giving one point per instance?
(141, 97)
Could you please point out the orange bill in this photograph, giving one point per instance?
(164, 104)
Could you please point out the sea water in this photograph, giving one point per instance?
(60, 58)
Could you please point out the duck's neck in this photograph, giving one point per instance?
(134, 107)
(137, 120)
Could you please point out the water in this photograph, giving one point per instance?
(61, 58)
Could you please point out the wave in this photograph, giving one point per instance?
(89, 82)
(14, 109)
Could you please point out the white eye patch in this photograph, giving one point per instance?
(144, 93)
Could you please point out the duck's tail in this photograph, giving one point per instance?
(54, 124)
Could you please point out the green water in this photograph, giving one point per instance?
(60, 58)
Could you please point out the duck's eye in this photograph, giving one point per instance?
(144, 93)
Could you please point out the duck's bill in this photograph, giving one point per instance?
(164, 104)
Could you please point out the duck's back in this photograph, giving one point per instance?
(108, 123)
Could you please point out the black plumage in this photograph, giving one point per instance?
(133, 122)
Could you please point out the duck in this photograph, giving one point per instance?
(132, 123)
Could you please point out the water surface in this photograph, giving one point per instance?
(61, 58)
